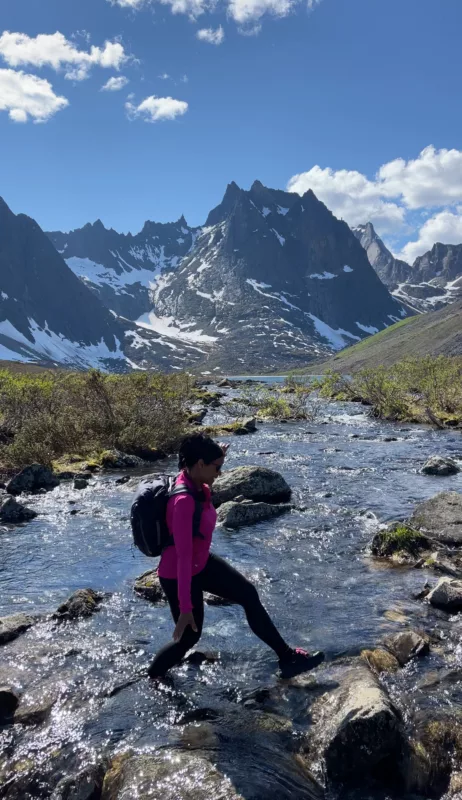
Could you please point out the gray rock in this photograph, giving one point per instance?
(115, 459)
(198, 416)
(148, 586)
(80, 483)
(86, 785)
(31, 479)
(407, 645)
(171, 775)
(440, 465)
(12, 627)
(250, 424)
(357, 728)
(440, 517)
(8, 703)
(254, 483)
(13, 512)
(224, 384)
(36, 704)
(238, 515)
(447, 594)
(82, 603)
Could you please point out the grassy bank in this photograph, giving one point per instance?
(413, 390)
(45, 415)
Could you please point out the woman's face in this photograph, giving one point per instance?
(208, 473)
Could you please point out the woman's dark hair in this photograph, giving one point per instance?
(198, 446)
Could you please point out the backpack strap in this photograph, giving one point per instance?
(198, 500)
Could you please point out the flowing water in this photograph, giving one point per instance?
(314, 575)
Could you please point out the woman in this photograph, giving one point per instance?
(187, 569)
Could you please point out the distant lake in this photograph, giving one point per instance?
(269, 378)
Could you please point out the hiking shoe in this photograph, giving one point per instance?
(298, 661)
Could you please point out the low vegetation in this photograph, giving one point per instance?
(413, 390)
(293, 400)
(44, 416)
(399, 539)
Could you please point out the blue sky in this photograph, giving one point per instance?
(329, 94)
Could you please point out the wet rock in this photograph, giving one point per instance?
(440, 518)
(224, 384)
(447, 595)
(216, 600)
(440, 465)
(170, 775)
(399, 538)
(357, 728)
(36, 704)
(123, 479)
(238, 515)
(8, 703)
(12, 627)
(201, 657)
(86, 785)
(13, 512)
(198, 417)
(82, 603)
(249, 424)
(80, 483)
(200, 736)
(31, 479)
(407, 645)
(149, 453)
(65, 475)
(148, 586)
(115, 459)
(380, 660)
(255, 483)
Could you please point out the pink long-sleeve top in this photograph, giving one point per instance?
(189, 555)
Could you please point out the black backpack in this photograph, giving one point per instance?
(149, 510)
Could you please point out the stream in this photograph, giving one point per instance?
(351, 474)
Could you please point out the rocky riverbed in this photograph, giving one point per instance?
(80, 720)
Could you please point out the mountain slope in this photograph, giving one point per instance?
(433, 281)
(390, 270)
(435, 333)
(45, 311)
(121, 268)
(273, 279)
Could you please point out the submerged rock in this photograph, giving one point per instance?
(440, 465)
(447, 595)
(36, 704)
(440, 517)
(148, 586)
(171, 775)
(8, 703)
(254, 483)
(80, 483)
(31, 479)
(12, 627)
(82, 603)
(238, 515)
(357, 728)
(86, 785)
(407, 645)
(380, 660)
(13, 512)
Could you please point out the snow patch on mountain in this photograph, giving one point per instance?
(335, 337)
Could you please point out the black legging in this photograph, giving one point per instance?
(218, 578)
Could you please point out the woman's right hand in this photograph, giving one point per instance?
(183, 621)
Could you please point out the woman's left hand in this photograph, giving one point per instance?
(224, 447)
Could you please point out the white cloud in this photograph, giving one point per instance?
(155, 109)
(445, 227)
(433, 179)
(26, 96)
(247, 11)
(210, 35)
(55, 51)
(165, 76)
(128, 3)
(350, 196)
(193, 8)
(115, 84)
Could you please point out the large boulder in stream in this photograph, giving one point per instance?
(407, 645)
(172, 775)
(12, 627)
(8, 703)
(115, 459)
(447, 595)
(357, 729)
(238, 515)
(253, 483)
(440, 465)
(31, 480)
(440, 518)
(13, 512)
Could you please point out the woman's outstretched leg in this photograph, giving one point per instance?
(222, 579)
(173, 652)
